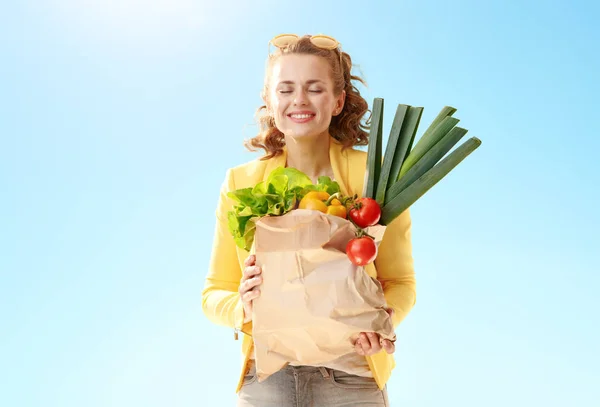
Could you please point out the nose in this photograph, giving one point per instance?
(300, 98)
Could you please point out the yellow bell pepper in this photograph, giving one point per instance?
(336, 208)
(314, 200)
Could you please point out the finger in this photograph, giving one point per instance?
(358, 347)
(390, 312)
(248, 285)
(389, 346)
(251, 295)
(253, 282)
(250, 260)
(251, 271)
(365, 342)
(374, 340)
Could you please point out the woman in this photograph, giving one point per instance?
(311, 120)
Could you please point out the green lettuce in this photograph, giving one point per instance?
(277, 195)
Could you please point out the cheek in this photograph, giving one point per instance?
(326, 103)
(277, 104)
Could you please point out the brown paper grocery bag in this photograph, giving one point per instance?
(314, 302)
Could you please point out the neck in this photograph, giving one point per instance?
(311, 156)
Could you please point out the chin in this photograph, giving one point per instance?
(306, 134)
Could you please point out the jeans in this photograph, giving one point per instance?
(307, 386)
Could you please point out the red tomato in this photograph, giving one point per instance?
(361, 250)
(366, 212)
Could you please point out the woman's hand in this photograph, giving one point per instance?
(370, 343)
(248, 290)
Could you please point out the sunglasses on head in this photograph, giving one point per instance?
(321, 41)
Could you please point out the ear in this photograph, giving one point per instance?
(339, 103)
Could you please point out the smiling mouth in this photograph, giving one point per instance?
(301, 116)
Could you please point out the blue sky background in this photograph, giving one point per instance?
(118, 120)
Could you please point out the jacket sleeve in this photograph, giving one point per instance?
(220, 298)
(395, 268)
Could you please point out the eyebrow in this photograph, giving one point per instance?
(309, 82)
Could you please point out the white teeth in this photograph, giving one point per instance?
(301, 116)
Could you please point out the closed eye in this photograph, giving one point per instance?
(310, 91)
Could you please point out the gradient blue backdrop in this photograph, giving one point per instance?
(118, 120)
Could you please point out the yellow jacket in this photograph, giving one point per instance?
(393, 266)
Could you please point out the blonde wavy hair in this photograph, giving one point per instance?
(349, 127)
